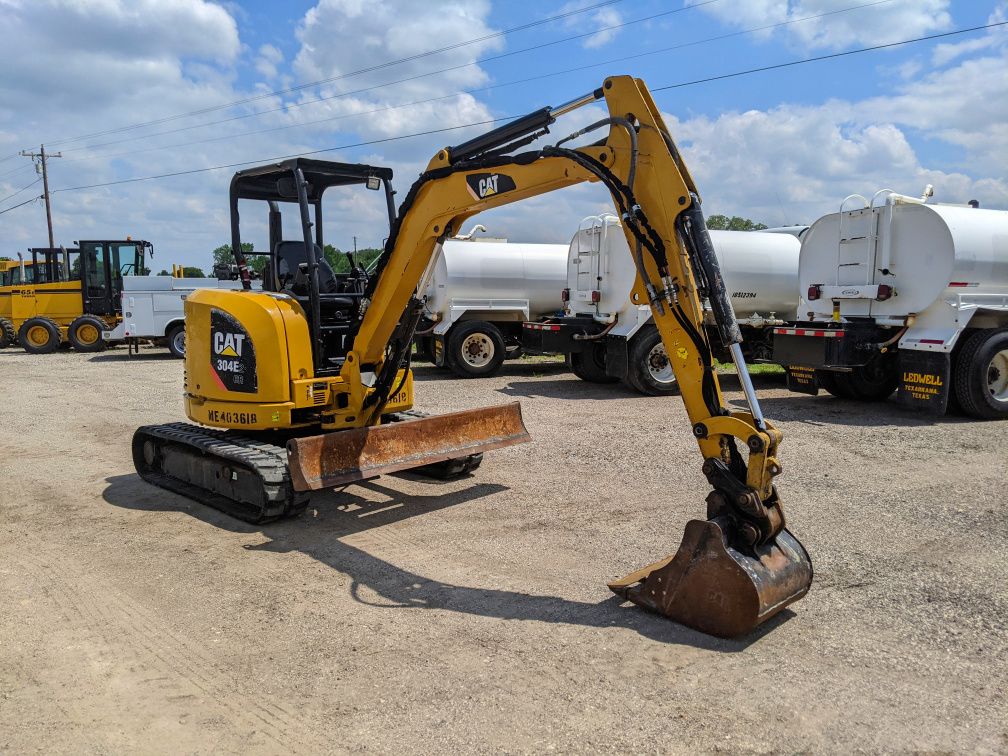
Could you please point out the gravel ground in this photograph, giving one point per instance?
(414, 616)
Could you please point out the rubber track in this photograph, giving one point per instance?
(267, 461)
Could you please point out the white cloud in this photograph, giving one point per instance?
(793, 163)
(602, 19)
(878, 23)
(267, 61)
(341, 37)
(946, 52)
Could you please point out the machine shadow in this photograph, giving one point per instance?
(115, 355)
(343, 513)
(568, 387)
(828, 410)
(425, 371)
(571, 387)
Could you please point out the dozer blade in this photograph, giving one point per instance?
(339, 457)
(710, 586)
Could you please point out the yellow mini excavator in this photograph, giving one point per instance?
(307, 384)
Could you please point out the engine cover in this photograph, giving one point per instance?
(243, 349)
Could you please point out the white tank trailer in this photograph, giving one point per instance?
(901, 295)
(478, 292)
(608, 337)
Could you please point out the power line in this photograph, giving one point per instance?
(505, 118)
(284, 157)
(15, 207)
(20, 190)
(827, 57)
(369, 69)
(479, 61)
(16, 170)
(525, 80)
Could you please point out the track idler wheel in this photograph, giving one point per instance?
(716, 588)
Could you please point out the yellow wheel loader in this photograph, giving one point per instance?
(307, 384)
(67, 294)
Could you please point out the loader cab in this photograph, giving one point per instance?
(11, 272)
(48, 265)
(100, 266)
(298, 267)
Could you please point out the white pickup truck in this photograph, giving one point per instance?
(153, 309)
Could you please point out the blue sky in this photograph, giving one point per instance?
(781, 146)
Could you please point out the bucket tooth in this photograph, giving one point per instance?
(711, 586)
(340, 457)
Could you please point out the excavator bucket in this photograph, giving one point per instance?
(713, 587)
(339, 457)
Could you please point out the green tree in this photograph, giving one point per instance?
(735, 223)
(338, 260)
(334, 257)
(223, 256)
(6, 259)
(192, 272)
(164, 273)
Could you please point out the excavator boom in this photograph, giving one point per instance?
(738, 567)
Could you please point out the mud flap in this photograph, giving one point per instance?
(339, 457)
(802, 380)
(924, 380)
(712, 587)
(438, 351)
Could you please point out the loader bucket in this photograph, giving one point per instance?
(713, 587)
(339, 457)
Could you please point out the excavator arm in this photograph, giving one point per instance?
(738, 567)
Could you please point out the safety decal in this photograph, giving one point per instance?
(483, 185)
(232, 355)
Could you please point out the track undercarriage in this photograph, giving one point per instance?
(249, 476)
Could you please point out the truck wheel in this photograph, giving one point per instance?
(875, 381)
(85, 334)
(836, 384)
(8, 336)
(176, 340)
(589, 365)
(39, 336)
(650, 371)
(475, 349)
(981, 375)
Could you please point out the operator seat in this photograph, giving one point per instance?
(290, 256)
(337, 308)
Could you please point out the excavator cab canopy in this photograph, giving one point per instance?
(298, 267)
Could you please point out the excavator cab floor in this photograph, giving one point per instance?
(711, 586)
(438, 446)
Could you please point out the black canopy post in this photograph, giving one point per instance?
(306, 230)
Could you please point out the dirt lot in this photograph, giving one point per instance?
(415, 616)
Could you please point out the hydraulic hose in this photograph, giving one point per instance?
(595, 336)
(612, 121)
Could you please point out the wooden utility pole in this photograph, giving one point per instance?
(43, 157)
